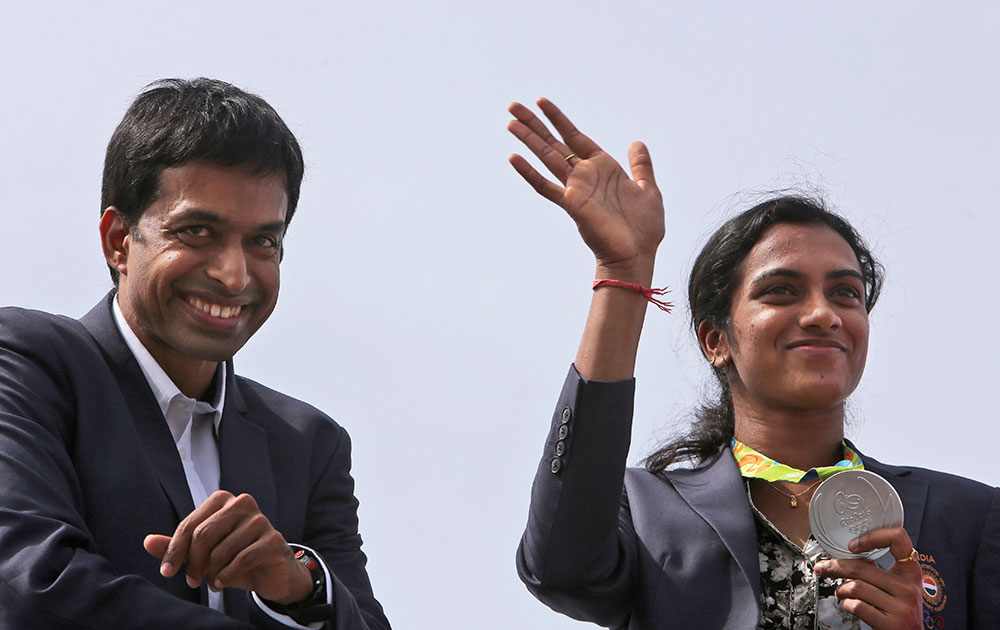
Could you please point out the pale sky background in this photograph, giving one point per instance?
(431, 302)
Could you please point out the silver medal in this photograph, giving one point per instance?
(849, 504)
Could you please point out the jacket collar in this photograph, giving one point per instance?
(243, 447)
(716, 492)
(142, 405)
(912, 492)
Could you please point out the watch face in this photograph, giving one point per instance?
(316, 607)
(849, 504)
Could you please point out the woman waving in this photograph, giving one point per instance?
(714, 532)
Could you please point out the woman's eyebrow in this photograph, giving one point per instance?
(841, 273)
(779, 271)
(792, 273)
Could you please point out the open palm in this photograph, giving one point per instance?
(619, 217)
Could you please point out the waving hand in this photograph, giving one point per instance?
(619, 217)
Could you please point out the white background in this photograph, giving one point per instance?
(431, 302)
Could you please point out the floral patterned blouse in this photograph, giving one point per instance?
(792, 597)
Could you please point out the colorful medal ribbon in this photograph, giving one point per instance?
(759, 466)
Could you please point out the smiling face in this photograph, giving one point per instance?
(798, 334)
(199, 270)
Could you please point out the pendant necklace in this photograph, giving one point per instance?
(793, 499)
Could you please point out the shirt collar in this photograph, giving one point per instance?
(754, 464)
(164, 389)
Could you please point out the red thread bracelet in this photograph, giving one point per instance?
(646, 292)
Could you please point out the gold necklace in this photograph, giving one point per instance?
(793, 498)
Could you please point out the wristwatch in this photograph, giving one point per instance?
(316, 607)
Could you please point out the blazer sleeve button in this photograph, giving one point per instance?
(562, 432)
(560, 448)
(566, 414)
(555, 465)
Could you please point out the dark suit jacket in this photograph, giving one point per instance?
(633, 549)
(89, 467)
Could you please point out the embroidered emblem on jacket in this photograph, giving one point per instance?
(933, 586)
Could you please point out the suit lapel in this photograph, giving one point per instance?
(245, 467)
(912, 492)
(243, 452)
(149, 423)
(716, 492)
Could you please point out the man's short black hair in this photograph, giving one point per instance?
(175, 121)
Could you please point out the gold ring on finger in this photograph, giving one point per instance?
(910, 558)
(570, 157)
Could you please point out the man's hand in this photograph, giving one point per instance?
(229, 543)
(884, 599)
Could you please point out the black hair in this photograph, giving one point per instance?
(175, 121)
(714, 279)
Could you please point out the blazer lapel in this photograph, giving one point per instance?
(716, 492)
(912, 492)
(244, 463)
(149, 422)
(243, 454)
(245, 467)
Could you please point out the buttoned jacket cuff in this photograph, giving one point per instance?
(285, 619)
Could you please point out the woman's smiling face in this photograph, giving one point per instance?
(798, 333)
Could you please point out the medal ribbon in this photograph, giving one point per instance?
(757, 465)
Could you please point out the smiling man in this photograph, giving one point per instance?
(146, 485)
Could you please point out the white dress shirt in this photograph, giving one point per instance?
(194, 425)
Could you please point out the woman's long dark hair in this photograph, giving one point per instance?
(710, 293)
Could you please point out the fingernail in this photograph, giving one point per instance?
(192, 582)
(853, 545)
(218, 585)
(821, 566)
(166, 569)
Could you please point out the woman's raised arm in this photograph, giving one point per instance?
(620, 219)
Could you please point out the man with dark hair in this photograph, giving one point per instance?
(145, 484)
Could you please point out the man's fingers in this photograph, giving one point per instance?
(175, 554)
(206, 539)
(237, 513)
(266, 550)
(578, 142)
(177, 550)
(180, 543)
(226, 551)
(641, 165)
(224, 540)
(156, 545)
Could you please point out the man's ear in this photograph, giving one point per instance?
(115, 239)
(714, 344)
